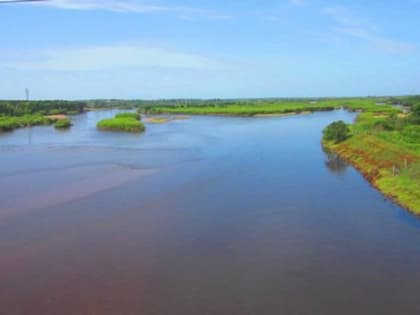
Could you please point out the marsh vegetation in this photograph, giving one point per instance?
(269, 107)
(9, 123)
(17, 114)
(126, 122)
(63, 123)
(132, 115)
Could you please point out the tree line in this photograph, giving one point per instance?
(21, 108)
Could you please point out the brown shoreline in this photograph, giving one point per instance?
(370, 179)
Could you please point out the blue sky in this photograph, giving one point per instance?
(72, 49)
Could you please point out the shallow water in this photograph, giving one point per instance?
(210, 215)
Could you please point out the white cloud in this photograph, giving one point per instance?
(344, 17)
(132, 6)
(113, 57)
(362, 29)
(109, 5)
(385, 44)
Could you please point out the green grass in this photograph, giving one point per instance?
(8, 123)
(272, 107)
(126, 122)
(121, 124)
(128, 115)
(63, 124)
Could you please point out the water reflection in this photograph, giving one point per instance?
(29, 130)
(335, 163)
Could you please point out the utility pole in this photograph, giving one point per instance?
(27, 94)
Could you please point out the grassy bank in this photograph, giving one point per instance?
(266, 107)
(8, 123)
(125, 122)
(17, 114)
(385, 148)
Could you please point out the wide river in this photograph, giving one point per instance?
(208, 215)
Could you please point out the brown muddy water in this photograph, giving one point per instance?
(209, 215)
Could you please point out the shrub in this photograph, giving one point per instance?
(338, 131)
(63, 123)
(121, 124)
(384, 125)
(411, 134)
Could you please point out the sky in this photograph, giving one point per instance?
(135, 49)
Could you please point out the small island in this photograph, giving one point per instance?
(124, 122)
(64, 123)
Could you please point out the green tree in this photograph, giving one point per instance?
(338, 131)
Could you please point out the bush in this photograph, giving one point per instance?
(128, 115)
(411, 134)
(63, 123)
(121, 124)
(338, 131)
(384, 125)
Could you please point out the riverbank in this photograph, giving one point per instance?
(388, 159)
(269, 108)
(19, 114)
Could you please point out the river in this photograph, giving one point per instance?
(208, 215)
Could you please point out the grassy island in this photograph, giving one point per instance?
(128, 115)
(63, 123)
(385, 148)
(126, 122)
